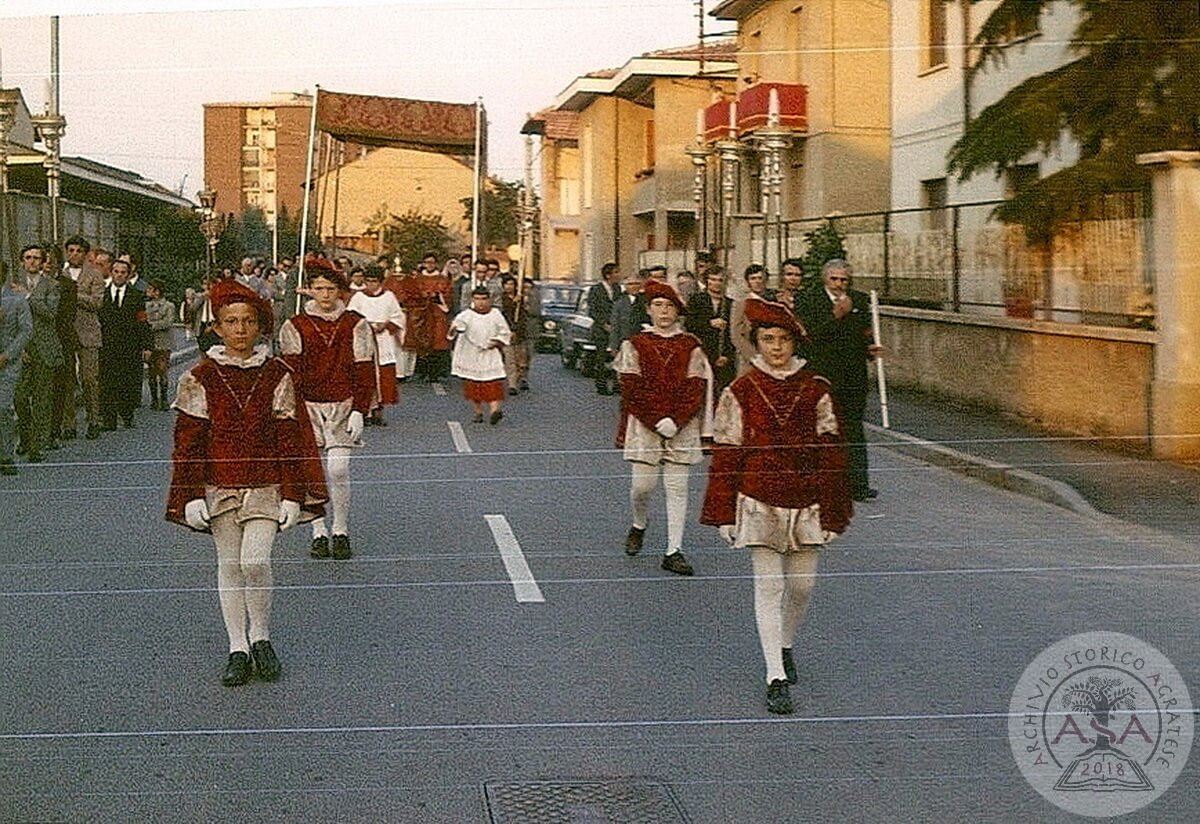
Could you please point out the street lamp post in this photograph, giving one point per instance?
(700, 153)
(212, 225)
(729, 150)
(773, 141)
(8, 114)
(50, 129)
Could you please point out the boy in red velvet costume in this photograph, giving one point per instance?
(778, 483)
(332, 351)
(244, 467)
(666, 395)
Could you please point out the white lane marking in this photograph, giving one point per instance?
(438, 389)
(534, 725)
(524, 586)
(460, 437)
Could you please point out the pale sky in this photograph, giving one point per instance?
(133, 84)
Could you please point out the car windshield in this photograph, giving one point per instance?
(559, 296)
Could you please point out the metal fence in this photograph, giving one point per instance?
(961, 259)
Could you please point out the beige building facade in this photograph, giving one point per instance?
(616, 184)
(373, 183)
(827, 64)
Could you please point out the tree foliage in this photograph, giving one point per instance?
(501, 220)
(822, 245)
(1133, 86)
(411, 235)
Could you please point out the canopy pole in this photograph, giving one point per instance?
(340, 159)
(475, 199)
(308, 170)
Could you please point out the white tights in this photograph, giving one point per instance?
(244, 576)
(782, 586)
(337, 470)
(675, 484)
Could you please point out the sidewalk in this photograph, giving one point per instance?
(1115, 476)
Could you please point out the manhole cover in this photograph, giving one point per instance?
(621, 801)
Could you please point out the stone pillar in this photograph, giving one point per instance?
(1175, 262)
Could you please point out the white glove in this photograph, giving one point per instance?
(666, 427)
(355, 425)
(289, 515)
(728, 533)
(196, 514)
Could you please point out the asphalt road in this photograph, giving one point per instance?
(416, 684)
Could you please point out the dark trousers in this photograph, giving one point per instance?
(433, 367)
(34, 403)
(120, 385)
(63, 419)
(601, 369)
(853, 403)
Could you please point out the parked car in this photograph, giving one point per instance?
(557, 301)
(575, 337)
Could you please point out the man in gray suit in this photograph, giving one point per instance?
(89, 280)
(34, 392)
(16, 327)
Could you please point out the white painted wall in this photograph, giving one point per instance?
(927, 105)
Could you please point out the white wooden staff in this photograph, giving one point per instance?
(879, 373)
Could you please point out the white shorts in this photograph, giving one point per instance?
(246, 504)
(779, 528)
(644, 445)
(329, 422)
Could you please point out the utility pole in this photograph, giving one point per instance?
(50, 127)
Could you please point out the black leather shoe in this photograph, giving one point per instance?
(495, 418)
(319, 548)
(677, 563)
(779, 700)
(513, 391)
(265, 662)
(92, 433)
(238, 670)
(789, 665)
(633, 541)
(341, 547)
(478, 418)
(866, 495)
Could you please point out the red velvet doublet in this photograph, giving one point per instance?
(241, 428)
(330, 366)
(782, 460)
(662, 388)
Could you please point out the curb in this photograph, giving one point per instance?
(1000, 475)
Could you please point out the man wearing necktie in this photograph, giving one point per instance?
(125, 337)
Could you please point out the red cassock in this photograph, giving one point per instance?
(333, 357)
(241, 428)
(663, 389)
(782, 460)
(426, 323)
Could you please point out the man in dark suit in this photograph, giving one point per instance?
(708, 319)
(68, 338)
(838, 320)
(600, 305)
(125, 347)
